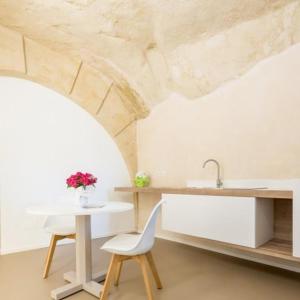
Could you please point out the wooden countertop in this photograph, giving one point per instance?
(235, 192)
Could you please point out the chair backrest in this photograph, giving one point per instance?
(147, 238)
(59, 221)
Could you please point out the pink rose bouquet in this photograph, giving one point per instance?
(81, 180)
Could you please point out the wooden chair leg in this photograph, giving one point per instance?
(71, 236)
(143, 263)
(109, 277)
(154, 270)
(118, 272)
(49, 258)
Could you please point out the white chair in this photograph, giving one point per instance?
(133, 246)
(60, 228)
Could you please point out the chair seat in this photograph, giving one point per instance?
(61, 230)
(124, 244)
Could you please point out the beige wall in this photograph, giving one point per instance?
(251, 125)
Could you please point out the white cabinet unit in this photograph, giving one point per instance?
(244, 221)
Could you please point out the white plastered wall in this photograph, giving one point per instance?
(44, 138)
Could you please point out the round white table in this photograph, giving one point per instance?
(82, 279)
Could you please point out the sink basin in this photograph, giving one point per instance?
(228, 188)
(246, 188)
(228, 184)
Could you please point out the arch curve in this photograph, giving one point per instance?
(104, 93)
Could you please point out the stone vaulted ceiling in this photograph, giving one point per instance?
(160, 46)
(118, 59)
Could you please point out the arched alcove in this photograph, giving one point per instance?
(45, 137)
(100, 89)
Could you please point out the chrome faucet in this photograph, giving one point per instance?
(219, 181)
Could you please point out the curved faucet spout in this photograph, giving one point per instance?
(219, 181)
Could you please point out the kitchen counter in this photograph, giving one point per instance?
(233, 192)
(277, 250)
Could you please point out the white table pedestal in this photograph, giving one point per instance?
(83, 278)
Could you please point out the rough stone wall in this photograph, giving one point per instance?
(160, 46)
(200, 67)
(111, 102)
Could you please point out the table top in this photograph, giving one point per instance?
(74, 210)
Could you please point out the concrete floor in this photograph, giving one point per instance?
(187, 273)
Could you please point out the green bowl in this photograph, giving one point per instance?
(141, 181)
